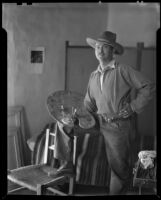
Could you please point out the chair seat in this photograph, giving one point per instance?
(33, 175)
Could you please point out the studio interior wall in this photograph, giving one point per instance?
(49, 27)
(134, 22)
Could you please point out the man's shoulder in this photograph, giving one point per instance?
(122, 66)
(93, 73)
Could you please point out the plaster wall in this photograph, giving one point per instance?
(134, 22)
(49, 27)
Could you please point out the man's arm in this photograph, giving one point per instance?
(89, 101)
(145, 89)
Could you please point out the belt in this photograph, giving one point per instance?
(111, 119)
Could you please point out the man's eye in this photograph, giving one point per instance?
(105, 46)
(98, 47)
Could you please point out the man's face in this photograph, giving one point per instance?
(103, 52)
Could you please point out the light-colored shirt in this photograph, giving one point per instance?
(110, 65)
(114, 91)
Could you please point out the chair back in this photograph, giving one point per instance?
(47, 144)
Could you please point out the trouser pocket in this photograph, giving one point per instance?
(114, 125)
(124, 124)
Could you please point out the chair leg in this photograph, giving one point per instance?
(71, 185)
(139, 189)
(39, 189)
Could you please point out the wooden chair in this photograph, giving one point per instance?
(145, 178)
(38, 178)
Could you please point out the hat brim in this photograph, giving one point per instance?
(118, 48)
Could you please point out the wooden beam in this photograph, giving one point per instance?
(66, 64)
(140, 46)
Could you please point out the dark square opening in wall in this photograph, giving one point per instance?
(36, 56)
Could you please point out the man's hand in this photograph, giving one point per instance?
(126, 111)
(68, 121)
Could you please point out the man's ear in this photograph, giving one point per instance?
(113, 52)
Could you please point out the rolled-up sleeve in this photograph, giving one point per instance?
(89, 101)
(145, 88)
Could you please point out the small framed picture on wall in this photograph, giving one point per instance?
(37, 58)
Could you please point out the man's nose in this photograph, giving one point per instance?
(100, 50)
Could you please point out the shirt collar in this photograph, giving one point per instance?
(111, 65)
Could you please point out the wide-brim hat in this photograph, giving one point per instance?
(109, 38)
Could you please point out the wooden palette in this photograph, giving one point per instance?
(61, 105)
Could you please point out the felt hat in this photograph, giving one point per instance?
(109, 38)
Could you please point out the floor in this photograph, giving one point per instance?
(82, 190)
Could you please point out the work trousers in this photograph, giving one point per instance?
(117, 137)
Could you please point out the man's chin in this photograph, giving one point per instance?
(101, 58)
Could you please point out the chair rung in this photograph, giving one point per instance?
(53, 134)
(56, 191)
(15, 190)
(52, 147)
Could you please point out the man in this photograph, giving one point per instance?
(108, 96)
